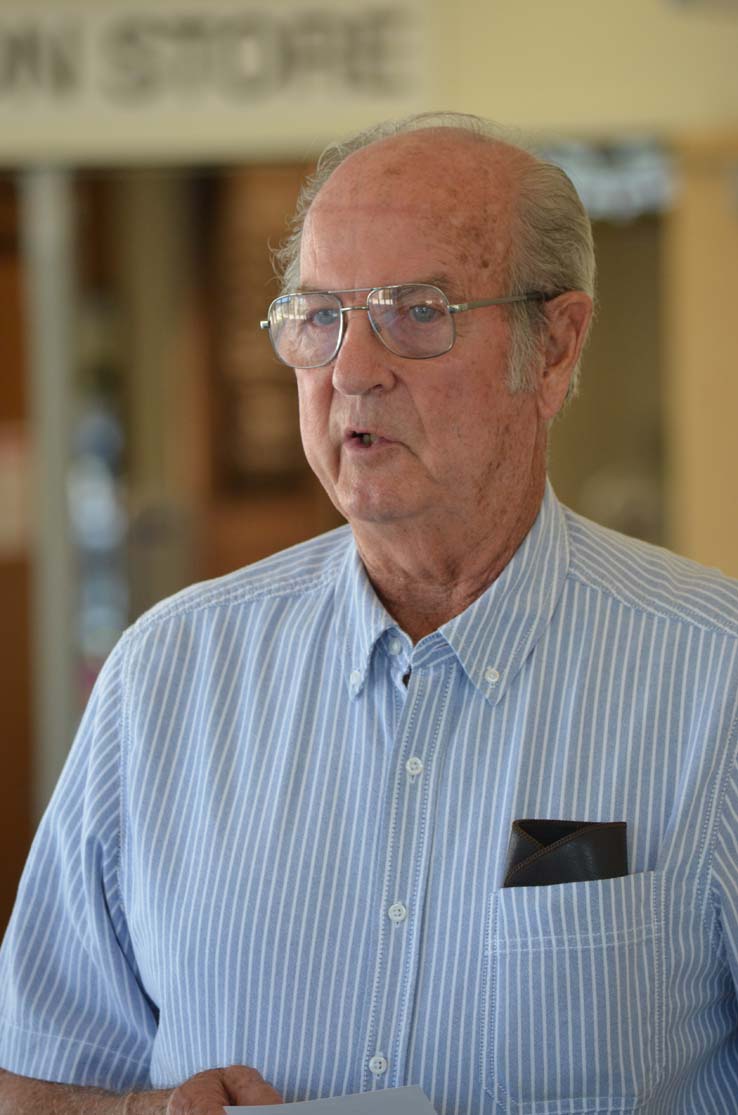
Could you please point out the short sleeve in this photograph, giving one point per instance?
(72, 1008)
(725, 870)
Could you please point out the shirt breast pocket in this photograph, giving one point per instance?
(574, 1013)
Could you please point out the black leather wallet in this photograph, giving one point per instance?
(542, 853)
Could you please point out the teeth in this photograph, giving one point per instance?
(368, 439)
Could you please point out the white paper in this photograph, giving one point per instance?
(387, 1101)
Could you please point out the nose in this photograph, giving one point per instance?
(362, 364)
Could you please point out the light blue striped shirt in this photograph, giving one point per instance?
(267, 849)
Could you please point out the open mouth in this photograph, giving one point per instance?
(363, 437)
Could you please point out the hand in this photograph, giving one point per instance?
(208, 1092)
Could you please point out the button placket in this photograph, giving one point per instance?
(409, 839)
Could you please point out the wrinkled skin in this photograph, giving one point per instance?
(208, 1092)
(442, 501)
(203, 1094)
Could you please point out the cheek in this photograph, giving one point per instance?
(314, 402)
(312, 409)
(465, 411)
(476, 428)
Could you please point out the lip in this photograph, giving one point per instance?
(352, 438)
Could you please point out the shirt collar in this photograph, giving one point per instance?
(361, 620)
(494, 636)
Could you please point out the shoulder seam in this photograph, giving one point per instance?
(224, 597)
(674, 615)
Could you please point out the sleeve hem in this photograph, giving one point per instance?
(61, 1060)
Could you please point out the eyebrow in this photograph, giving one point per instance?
(443, 282)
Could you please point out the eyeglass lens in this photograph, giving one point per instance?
(411, 320)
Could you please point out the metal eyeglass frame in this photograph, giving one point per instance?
(453, 308)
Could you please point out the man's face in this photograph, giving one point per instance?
(453, 446)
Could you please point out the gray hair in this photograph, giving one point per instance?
(552, 235)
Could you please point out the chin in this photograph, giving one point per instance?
(376, 510)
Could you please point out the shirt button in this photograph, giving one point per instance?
(354, 679)
(397, 912)
(394, 646)
(492, 675)
(414, 766)
(378, 1064)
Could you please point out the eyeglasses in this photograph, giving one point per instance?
(414, 320)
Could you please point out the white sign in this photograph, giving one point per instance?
(94, 82)
(385, 1101)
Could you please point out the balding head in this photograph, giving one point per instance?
(504, 203)
(451, 185)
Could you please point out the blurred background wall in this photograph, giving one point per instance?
(149, 155)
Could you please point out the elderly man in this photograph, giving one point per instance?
(285, 846)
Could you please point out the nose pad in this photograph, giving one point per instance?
(348, 320)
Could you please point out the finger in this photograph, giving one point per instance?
(203, 1094)
(247, 1087)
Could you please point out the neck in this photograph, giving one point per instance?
(425, 575)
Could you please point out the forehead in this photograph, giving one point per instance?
(437, 194)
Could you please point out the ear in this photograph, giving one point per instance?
(568, 317)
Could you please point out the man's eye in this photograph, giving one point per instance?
(323, 318)
(422, 315)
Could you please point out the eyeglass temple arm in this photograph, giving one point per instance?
(534, 296)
